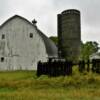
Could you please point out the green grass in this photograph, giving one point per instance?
(25, 85)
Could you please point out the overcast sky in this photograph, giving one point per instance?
(45, 12)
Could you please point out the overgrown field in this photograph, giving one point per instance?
(24, 85)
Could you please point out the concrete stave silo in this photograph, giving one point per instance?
(69, 34)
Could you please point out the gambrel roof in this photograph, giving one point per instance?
(50, 46)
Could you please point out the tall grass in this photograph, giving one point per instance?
(25, 85)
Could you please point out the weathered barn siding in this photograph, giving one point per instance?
(17, 49)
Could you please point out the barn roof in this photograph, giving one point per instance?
(50, 46)
(15, 17)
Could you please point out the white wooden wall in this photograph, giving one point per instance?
(18, 49)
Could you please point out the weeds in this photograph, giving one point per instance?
(25, 85)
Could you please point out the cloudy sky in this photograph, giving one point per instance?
(45, 12)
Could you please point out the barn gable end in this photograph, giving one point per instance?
(21, 45)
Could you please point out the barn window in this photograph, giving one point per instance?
(31, 35)
(2, 59)
(3, 36)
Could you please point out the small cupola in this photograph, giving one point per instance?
(34, 22)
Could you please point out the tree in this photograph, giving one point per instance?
(88, 48)
(54, 39)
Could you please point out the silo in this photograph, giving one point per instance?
(69, 34)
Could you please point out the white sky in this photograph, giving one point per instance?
(45, 12)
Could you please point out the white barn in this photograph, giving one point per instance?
(22, 45)
(95, 56)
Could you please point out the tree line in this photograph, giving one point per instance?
(87, 48)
